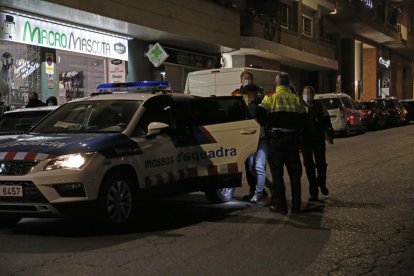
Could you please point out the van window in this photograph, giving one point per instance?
(330, 103)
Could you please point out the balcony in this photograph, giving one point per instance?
(265, 37)
(269, 28)
(365, 18)
(404, 42)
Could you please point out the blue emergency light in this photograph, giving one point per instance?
(137, 86)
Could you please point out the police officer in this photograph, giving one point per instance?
(318, 127)
(283, 112)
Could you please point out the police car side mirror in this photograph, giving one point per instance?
(156, 127)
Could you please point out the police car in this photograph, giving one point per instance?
(104, 154)
(19, 121)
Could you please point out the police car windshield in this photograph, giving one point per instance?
(90, 116)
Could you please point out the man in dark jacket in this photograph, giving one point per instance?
(317, 128)
(34, 100)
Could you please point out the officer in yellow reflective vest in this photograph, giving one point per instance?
(283, 113)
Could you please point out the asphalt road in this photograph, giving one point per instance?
(366, 226)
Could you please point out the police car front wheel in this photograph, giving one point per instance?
(117, 200)
(220, 195)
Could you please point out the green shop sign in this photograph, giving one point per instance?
(54, 35)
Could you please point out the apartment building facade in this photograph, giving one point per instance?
(375, 47)
(360, 47)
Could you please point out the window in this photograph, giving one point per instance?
(331, 103)
(347, 102)
(284, 15)
(89, 117)
(21, 121)
(307, 25)
(208, 111)
(157, 109)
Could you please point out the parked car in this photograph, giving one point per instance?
(397, 112)
(401, 110)
(20, 121)
(374, 116)
(345, 117)
(101, 156)
(409, 106)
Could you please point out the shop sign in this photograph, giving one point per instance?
(37, 32)
(156, 54)
(190, 59)
(116, 71)
(385, 62)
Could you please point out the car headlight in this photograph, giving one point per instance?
(69, 161)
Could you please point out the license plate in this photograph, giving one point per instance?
(11, 191)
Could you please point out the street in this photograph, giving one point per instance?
(365, 226)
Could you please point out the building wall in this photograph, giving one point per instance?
(369, 73)
(347, 66)
(401, 77)
(196, 19)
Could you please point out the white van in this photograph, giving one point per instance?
(221, 82)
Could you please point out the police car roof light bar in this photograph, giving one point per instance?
(138, 86)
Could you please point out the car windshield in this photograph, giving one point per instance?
(90, 116)
(20, 122)
(330, 103)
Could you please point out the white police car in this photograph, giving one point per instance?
(103, 154)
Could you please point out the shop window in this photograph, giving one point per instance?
(78, 75)
(20, 72)
(307, 26)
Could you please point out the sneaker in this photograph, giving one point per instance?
(324, 190)
(257, 198)
(247, 197)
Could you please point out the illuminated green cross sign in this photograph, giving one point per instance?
(156, 55)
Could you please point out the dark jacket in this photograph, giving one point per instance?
(35, 103)
(317, 125)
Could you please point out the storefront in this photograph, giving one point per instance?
(55, 58)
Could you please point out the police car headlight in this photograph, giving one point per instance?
(69, 161)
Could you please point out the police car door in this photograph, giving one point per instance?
(225, 134)
(157, 165)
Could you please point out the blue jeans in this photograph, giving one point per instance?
(257, 165)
